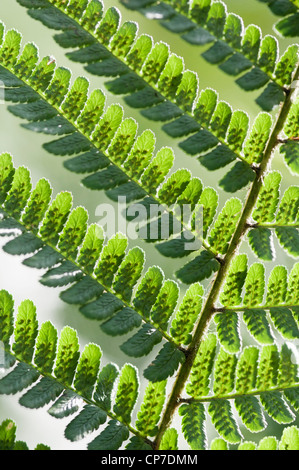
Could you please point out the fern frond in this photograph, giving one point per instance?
(156, 79)
(109, 154)
(263, 306)
(254, 382)
(289, 25)
(206, 364)
(120, 170)
(275, 217)
(74, 384)
(111, 286)
(229, 385)
(235, 49)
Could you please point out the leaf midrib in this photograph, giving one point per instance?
(234, 395)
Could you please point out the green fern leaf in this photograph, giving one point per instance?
(292, 290)
(122, 322)
(6, 316)
(258, 138)
(165, 364)
(251, 414)
(224, 378)
(20, 377)
(7, 175)
(258, 325)
(287, 373)
(148, 290)
(277, 286)
(165, 304)
(127, 392)
(91, 248)
(77, 138)
(225, 225)
(193, 417)
(7, 434)
(136, 443)
(87, 370)
(247, 370)
(41, 394)
(129, 272)
(267, 202)
(268, 367)
(289, 440)
(111, 438)
(68, 356)
(234, 48)
(38, 204)
(56, 217)
(111, 258)
(105, 385)
(73, 232)
(231, 293)
(261, 243)
(277, 408)
(219, 444)
(188, 312)
(284, 322)
(75, 378)
(151, 408)
(115, 271)
(223, 420)
(25, 331)
(142, 342)
(228, 331)
(162, 72)
(19, 192)
(290, 152)
(202, 368)
(254, 285)
(45, 350)
(288, 238)
(66, 405)
(169, 440)
(82, 291)
(88, 420)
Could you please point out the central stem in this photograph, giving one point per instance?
(241, 229)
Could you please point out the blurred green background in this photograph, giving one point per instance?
(26, 148)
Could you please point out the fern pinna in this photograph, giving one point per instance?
(219, 336)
